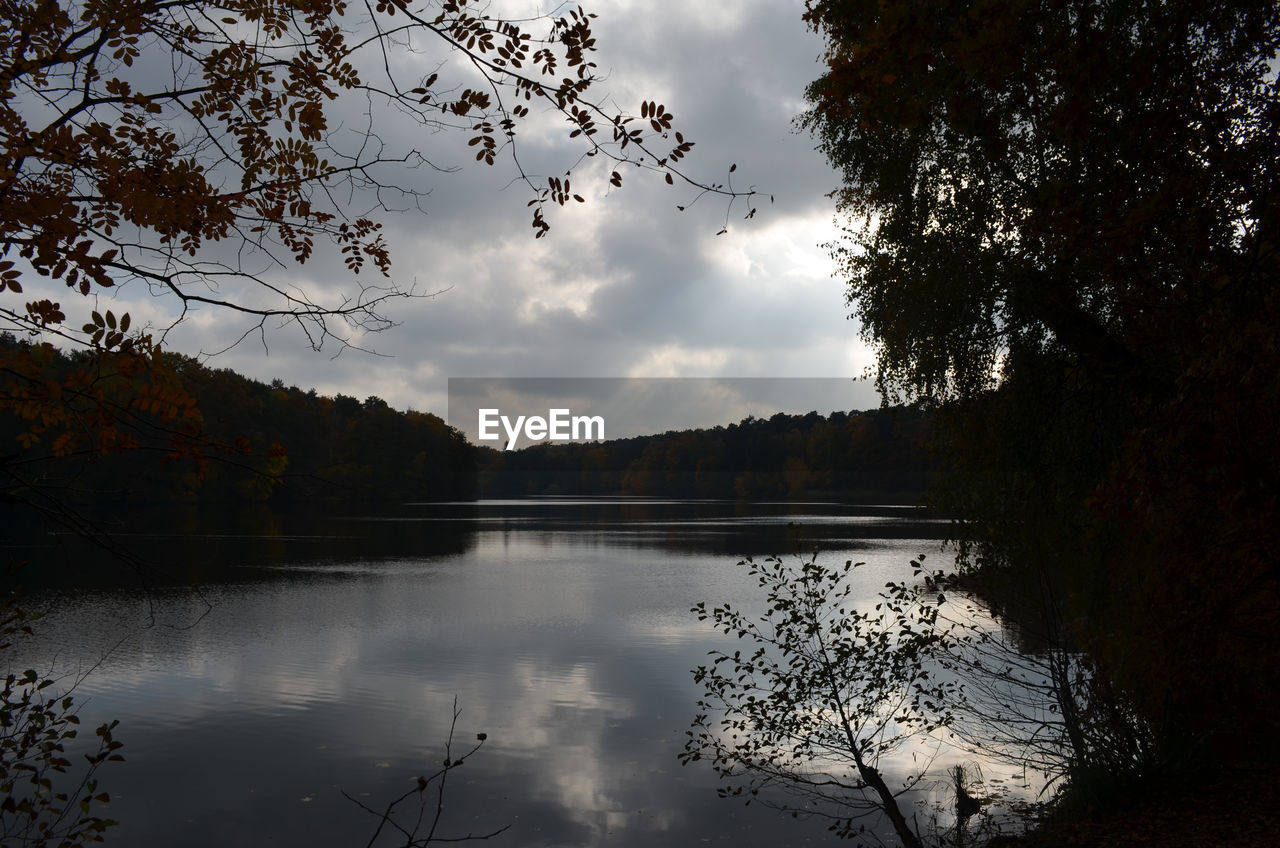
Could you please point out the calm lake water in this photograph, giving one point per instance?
(324, 655)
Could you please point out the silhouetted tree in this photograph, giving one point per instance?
(1062, 233)
(821, 691)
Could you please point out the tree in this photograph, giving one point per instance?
(823, 691)
(1033, 701)
(193, 148)
(1066, 178)
(48, 800)
(136, 136)
(409, 826)
(1063, 233)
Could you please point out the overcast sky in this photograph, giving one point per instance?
(625, 285)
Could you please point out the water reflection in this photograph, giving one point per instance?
(324, 653)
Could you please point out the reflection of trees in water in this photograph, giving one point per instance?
(729, 528)
(829, 705)
(190, 545)
(186, 545)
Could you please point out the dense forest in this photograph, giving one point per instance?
(254, 442)
(282, 445)
(875, 453)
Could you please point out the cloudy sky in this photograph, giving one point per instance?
(624, 285)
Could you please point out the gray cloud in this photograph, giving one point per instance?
(624, 285)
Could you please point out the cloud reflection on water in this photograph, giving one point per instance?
(569, 645)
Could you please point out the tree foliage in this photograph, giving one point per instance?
(246, 442)
(823, 692)
(134, 136)
(199, 150)
(48, 799)
(1078, 178)
(1035, 702)
(1063, 228)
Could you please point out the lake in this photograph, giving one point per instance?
(323, 655)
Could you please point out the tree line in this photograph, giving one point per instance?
(872, 453)
(278, 444)
(256, 442)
